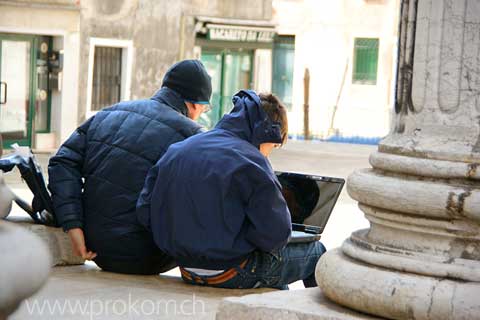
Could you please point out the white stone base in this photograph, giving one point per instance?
(25, 265)
(394, 294)
(6, 198)
(56, 240)
(307, 304)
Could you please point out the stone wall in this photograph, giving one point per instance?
(42, 3)
(162, 32)
(325, 33)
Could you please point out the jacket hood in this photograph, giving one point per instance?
(171, 98)
(248, 120)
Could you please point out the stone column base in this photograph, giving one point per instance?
(25, 266)
(395, 295)
(307, 304)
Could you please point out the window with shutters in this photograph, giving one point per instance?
(365, 61)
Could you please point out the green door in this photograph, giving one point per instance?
(231, 71)
(283, 61)
(16, 88)
(213, 62)
(237, 70)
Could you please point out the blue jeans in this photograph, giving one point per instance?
(296, 261)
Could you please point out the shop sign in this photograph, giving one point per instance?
(240, 34)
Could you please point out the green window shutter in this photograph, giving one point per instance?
(365, 61)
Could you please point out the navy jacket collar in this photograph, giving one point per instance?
(172, 99)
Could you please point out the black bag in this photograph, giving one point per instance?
(41, 209)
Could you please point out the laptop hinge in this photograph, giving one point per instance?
(312, 229)
(306, 228)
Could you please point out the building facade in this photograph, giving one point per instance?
(39, 59)
(349, 49)
(64, 60)
(61, 61)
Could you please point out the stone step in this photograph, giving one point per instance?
(306, 304)
(110, 296)
(57, 241)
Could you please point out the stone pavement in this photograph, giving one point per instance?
(88, 287)
(85, 292)
(307, 304)
(334, 160)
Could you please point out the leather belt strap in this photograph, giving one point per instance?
(221, 278)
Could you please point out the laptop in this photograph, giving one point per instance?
(311, 200)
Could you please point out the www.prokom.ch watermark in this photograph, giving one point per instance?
(129, 307)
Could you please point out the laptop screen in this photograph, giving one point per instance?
(310, 199)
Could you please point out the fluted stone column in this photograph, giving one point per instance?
(420, 258)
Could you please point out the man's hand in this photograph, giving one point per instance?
(78, 244)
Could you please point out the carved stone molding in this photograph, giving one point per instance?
(420, 258)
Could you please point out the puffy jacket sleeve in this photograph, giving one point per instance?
(144, 200)
(270, 224)
(65, 178)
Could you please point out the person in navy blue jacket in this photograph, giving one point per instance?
(213, 202)
(97, 174)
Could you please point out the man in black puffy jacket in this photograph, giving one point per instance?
(98, 173)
